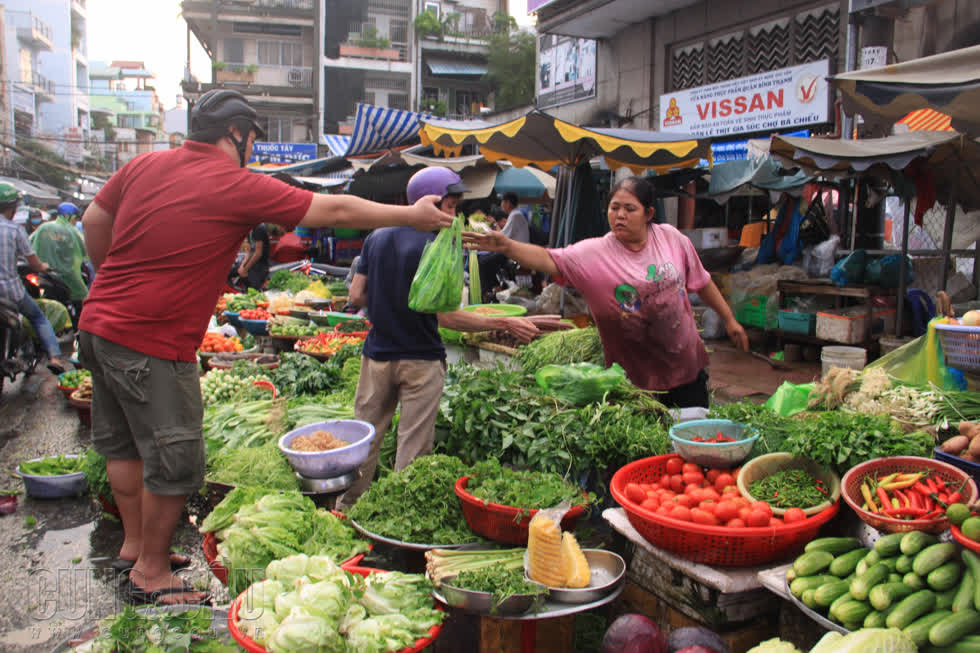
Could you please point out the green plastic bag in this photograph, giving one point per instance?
(438, 283)
(476, 290)
(580, 383)
(921, 362)
(789, 399)
(56, 313)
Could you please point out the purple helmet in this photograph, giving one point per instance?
(434, 181)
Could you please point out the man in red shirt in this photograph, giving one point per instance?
(162, 234)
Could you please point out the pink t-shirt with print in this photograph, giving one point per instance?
(639, 302)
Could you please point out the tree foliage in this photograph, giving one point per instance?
(38, 163)
(510, 67)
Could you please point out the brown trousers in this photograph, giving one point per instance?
(417, 385)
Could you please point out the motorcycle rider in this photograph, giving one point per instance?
(14, 244)
(61, 246)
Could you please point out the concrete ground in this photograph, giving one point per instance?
(734, 375)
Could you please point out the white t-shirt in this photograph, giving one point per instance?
(516, 227)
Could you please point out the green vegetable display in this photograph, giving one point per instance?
(499, 582)
(438, 283)
(263, 466)
(289, 281)
(562, 348)
(773, 429)
(243, 424)
(417, 504)
(299, 374)
(580, 383)
(276, 526)
(531, 490)
(238, 302)
(301, 330)
(96, 477)
(222, 386)
(164, 632)
(352, 326)
(53, 466)
(74, 378)
(311, 604)
(790, 488)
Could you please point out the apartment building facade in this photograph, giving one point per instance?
(267, 50)
(126, 109)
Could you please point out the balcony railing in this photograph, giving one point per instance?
(42, 83)
(39, 32)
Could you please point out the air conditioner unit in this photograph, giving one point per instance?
(296, 76)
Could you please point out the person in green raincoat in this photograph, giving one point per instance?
(59, 244)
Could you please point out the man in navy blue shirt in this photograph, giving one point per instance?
(404, 359)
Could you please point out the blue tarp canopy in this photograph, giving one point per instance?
(728, 177)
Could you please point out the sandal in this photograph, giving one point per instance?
(56, 369)
(122, 566)
(140, 596)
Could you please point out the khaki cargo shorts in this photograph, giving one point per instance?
(146, 408)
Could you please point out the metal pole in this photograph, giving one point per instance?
(850, 63)
(948, 232)
(854, 213)
(903, 268)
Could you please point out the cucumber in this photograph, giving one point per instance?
(891, 563)
(861, 567)
(915, 541)
(843, 598)
(945, 576)
(877, 618)
(884, 595)
(944, 600)
(873, 557)
(914, 581)
(969, 644)
(844, 565)
(894, 578)
(903, 564)
(791, 574)
(804, 583)
(834, 545)
(812, 563)
(973, 564)
(852, 611)
(954, 627)
(918, 630)
(889, 545)
(828, 593)
(911, 608)
(808, 600)
(964, 594)
(862, 585)
(933, 557)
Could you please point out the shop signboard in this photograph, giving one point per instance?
(263, 152)
(776, 100)
(74, 152)
(566, 69)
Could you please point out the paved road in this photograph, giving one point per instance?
(55, 578)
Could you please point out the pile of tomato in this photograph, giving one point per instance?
(215, 342)
(255, 314)
(688, 492)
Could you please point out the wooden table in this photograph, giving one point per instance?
(825, 287)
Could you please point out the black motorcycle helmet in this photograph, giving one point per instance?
(219, 109)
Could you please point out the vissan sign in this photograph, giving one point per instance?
(779, 99)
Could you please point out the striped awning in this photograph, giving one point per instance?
(379, 128)
(338, 144)
(447, 67)
(927, 120)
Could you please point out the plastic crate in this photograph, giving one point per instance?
(961, 346)
(849, 325)
(501, 523)
(753, 312)
(796, 322)
(973, 469)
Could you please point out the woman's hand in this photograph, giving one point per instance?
(492, 241)
(521, 328)
(737, 334)
(242, 272)
(429, 217)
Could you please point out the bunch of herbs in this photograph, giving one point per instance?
(93, 465)
(527, 489)
(164, 632)
(501, 583)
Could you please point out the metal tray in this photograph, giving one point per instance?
(482, 602)
(404, 545)
(550, 609)
(608, 573)
(219, 626)
(824, 622)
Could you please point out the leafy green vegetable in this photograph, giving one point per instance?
(244, 424)
(222, 386)
(289, 281)
(562, 348)
(866, 640)
(417, 504)
(501, 583)
(164, 632)
(841, 440)
(776, 645)
(531, 490)
(263, 466)
(790, 488)
(223, 514)
(299, 374)
(93, 466)
(53, 466)
(580, 383)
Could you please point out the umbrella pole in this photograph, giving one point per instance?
(948, 232)
(903, 268)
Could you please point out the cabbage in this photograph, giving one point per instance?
(323, 568)
(388, 632)
(305, 633)
(867, 640)
(396, 592)
(288, 569)
(325, 599)
(264, 594)
(775, 645)
(259, 627)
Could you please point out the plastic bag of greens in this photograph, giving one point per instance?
(580, 383)
(56, 313)
(438, 283)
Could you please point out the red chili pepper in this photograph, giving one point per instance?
(955, 497)
(915, 499)
(922, 489)
(885, 499)
(944, 497)
(915, 513)
(906, 503)
(935, 514)
(940, 485)
(821, 490)
(932, 486)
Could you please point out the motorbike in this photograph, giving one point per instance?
(20, 353)
(50, 285)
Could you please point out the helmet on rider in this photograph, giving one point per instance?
(216, 111)
(67, 208)
(9, 195)
(435, 180)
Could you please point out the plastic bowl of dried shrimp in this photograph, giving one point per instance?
(343, 445)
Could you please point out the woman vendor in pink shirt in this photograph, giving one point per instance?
(635, 280)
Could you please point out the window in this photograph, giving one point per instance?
(398, 101)
(399, 31)
(234, 51)
(392, 83)
(433, 7)
(368, 97)
(280, 53)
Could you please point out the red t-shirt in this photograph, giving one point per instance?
(180, 217)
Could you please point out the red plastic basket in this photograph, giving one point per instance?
(356, 334)
(109, 506)
(249, 645)
(963, 539)
(851, 491)
(712, 545)
(498, 522)
(67, 391)
(84, 409)
(210, 548)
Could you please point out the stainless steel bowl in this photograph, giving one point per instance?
(608, 572)
(482, 602)
(320, 304)
(326, 485)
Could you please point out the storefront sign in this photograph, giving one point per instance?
(776, 100)
(566, 69)
(74, 152)
(282, 152)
